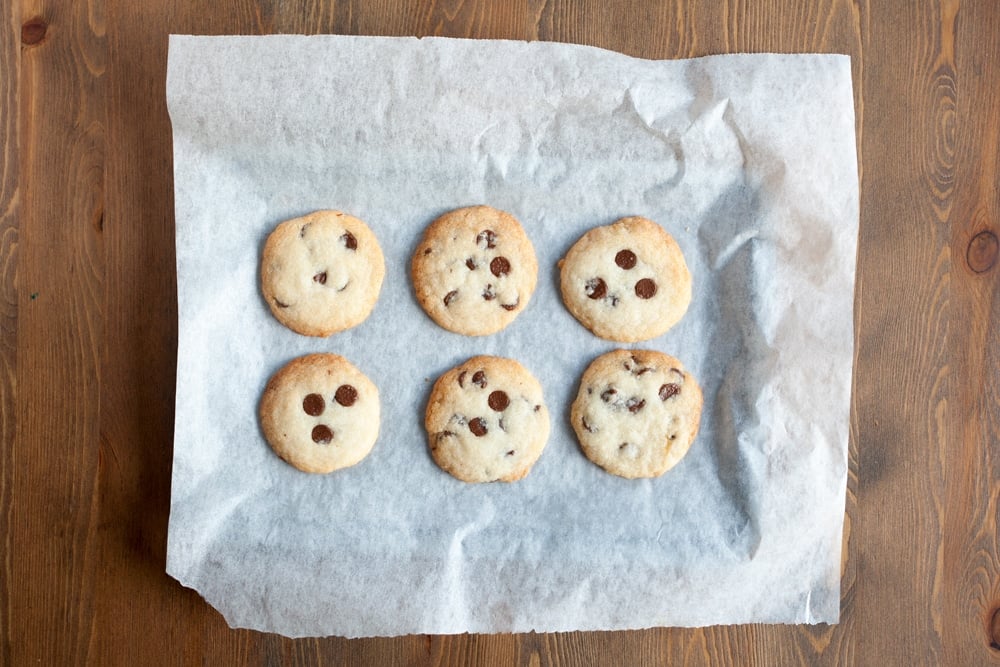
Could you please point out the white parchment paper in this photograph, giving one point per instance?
(748, 160)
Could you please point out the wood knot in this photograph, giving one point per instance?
(33, 31)
(981, 254)
(995, 630)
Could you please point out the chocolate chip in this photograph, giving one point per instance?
(428, 251)
(489, 293)
(586, 425)
(450, 296)
(346, 395)
(500, 266)
(622, 446)
(498, 401)
(320, 278)
(479, 379)
(488, 238)
(510, 453)
(349, 241)
(302, 232)
(595, 288)
(643, 370)
(322, 435)
(645, 289)
(440, 436)
(461, 379)
(635, 404)
(510, 306)
(471, 263)
(478, 427)
(537, 408)
(668, 390)
(625, 259)
(608, 395)
(314, 405)
(280, 304)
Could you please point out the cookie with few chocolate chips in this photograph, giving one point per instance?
(637, 412)
(626, 281)
(320, 413)
(486, 420)
(474, 270)
(322, 273)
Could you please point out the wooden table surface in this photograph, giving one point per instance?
(88, 317)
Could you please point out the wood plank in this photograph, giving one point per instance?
(10, 74)
(59, 332)
(965, 172)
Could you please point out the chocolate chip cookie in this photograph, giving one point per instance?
(626, 281)
(320, 413)
(486, 420)
(322, 273)
(637, 412)
(474, 270)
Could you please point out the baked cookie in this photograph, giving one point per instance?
(474, 270)
(486, 420)
(320, 413)
(321, 273)
(637, 412)
(626, 281)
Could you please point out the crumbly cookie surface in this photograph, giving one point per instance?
(474, 270)
(322, 273)
(486, 420)
(626, 281)
(320, 413)
(637, 412)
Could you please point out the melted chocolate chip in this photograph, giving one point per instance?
(500, 266)
(346, 395)
(498, 401)
(450, 296)
(609, 394)
(635, 404)
(596, 288)
(668, 390)
(625, 259)
(471, 263)
(487, 238)
(349, 241)
(302, 232)
(322, 435)
(461, 378)
(510, 306)
(479, 379)
(645, 289)
(622, 446)
(313, 404)
(320, 278)
(586, 425)
(428, 250)
(537, 408)
(510, 453)
(489, 293)
(478, 427)
(643, 370)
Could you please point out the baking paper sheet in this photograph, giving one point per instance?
(747, 160)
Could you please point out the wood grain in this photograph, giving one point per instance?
(10, 66)
(88, 322)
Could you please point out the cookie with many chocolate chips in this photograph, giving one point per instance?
(320, 413)
(637, 412)
(626, 281)
(321, 273)
(486, 420)
(474, 270)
